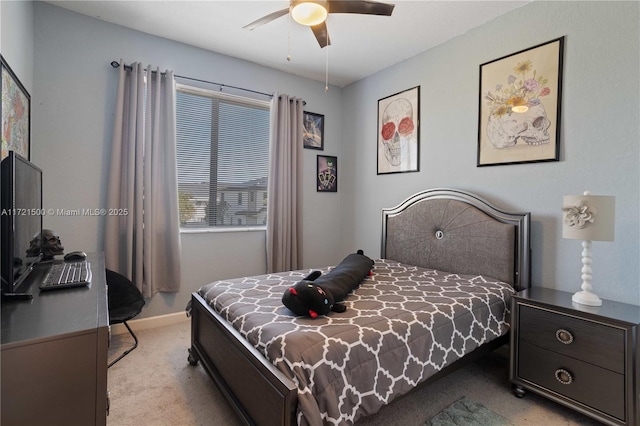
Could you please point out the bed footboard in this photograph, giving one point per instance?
(258, 392)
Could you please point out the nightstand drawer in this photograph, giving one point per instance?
(585, 340)
(596, 387)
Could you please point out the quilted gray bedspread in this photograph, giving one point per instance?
(402, 325)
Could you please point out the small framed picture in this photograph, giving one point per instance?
(15, 112)
(313, 132)
(519, 114)
(327, 175)
(399, 132)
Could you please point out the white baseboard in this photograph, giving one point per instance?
(151, 322)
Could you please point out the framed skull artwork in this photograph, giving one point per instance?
(519, 113)
(398, 132)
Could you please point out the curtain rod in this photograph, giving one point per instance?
(116, 64)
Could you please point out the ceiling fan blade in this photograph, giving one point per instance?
(363, 7)
(266, 19)
(322, 34)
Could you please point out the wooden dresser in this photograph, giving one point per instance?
(584, 357)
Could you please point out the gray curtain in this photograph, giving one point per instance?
(284, 204)
(144, 243)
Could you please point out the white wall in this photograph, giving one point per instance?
(599, 146)
(73, 114)
(16, 39)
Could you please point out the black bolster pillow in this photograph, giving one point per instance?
(346, 276)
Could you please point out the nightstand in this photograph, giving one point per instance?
(584, 357)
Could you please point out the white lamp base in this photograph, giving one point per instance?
(586, 298)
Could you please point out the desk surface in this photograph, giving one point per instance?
(58, 312)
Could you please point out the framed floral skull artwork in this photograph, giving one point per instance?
(398, 132)
(519, 114)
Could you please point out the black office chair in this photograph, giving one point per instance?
(125, 302)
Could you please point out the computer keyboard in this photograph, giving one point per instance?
(65, 275)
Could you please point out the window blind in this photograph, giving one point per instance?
(222, 155)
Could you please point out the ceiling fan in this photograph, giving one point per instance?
(314, 14)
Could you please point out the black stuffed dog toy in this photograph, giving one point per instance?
(319, 294)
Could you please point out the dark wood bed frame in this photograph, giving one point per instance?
(259, 393)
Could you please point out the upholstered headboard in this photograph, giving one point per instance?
(455, 231)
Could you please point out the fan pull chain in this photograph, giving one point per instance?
(289, 40)
(326, 68)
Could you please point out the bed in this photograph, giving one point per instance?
(438, 298)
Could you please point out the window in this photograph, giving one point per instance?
(222, 152)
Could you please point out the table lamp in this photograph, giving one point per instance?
(588, 218)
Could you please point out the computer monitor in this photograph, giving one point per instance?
(21, 221)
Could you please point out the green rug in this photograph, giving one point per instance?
(465, 412)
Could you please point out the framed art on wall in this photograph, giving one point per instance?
(519, 111)
(398, 132)
(327, 173)
(313, 132)
(15, 111)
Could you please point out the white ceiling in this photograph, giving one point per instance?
(360, 44)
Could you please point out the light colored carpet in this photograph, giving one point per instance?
(465, 412)
(155, 385)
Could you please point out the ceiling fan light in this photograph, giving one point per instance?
(308, 13)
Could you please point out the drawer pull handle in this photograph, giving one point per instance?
(563, 376)
(564, 336)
